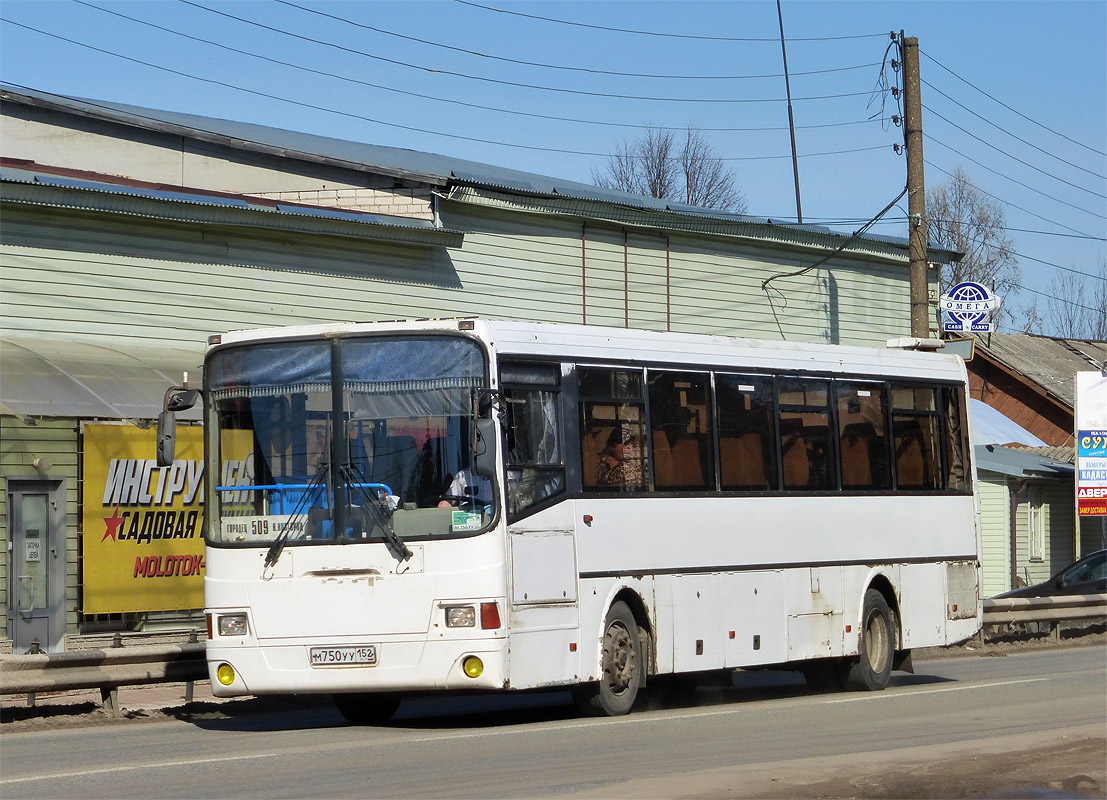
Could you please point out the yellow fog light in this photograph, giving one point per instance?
(225, 674)
(473, 666)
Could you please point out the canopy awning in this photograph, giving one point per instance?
(85, 380)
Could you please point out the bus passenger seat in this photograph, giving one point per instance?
(797, 465)
(687, 467)
(592, 444)
(742, 464)
(856, 467)
(910, 463)
(662, 460)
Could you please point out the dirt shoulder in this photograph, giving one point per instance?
(1059, 764)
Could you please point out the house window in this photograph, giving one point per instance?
(1036, 523)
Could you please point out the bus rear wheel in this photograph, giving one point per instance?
(614, 694)
(876, 648)
(371, 708)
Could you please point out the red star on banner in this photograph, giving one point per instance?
(113, 522)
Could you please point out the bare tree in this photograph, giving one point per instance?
(960, 217)
(656, 165)
(1077, 305)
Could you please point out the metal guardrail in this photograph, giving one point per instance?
(1059, 608)
(106, 670)
(110, 668)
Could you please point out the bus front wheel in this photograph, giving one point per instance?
(614, 694)
(372, 708)
(876, 648)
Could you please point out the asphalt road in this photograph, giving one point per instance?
(535, 746)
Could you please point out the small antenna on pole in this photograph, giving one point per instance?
(791, 120)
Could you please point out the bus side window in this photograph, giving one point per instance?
(916, 437)
(613, 446)
(532, 430)
(747, 432)
(957, 467)
(681, 430)
(804, 409)
(863, 437)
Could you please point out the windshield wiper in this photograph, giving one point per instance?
(381, 512)
(275, 549)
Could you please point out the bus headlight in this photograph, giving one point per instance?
(232, 625)
(473, 666)
(225, 674)
(461, 617)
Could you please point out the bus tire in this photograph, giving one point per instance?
(367, 708)
(621, 666)
(875, 647)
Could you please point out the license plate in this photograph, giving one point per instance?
(364, 655)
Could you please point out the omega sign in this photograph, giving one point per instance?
(968, 306)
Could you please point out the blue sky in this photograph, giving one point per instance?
(1013, 92)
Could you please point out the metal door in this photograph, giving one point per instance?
(37, 559)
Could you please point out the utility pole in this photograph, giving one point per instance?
(916, 187)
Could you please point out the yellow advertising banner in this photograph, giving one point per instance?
(143, 525)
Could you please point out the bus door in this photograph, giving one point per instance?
(542, 549)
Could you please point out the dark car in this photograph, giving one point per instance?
(1086, 576)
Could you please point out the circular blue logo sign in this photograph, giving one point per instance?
(967, 307)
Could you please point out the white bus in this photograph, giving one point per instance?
(485, 505)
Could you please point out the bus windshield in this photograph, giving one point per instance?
(345, 440)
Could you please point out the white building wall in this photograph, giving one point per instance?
(995, 522)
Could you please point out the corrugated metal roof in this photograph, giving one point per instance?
(70, 378)
(42, 178)
(1060, 452)
(1020, 464)
(1048, 362)
(26, 186)
(411, 164)
(697, 222)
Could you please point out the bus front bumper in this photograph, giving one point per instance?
(456, 664)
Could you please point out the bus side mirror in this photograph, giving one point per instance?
(176, 399)
(181, 400)
(484, 459)
(167, 438)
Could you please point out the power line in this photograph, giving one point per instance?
(664, 34)
(1013, 158)
(976, 240)
(825, 221)
(1058, 266)
(1055, 297)
(1014, 180)
(1009, 108)
(516, 84)
(314, 107)
(1013, 136)
(856, 235)
(405, 92)
(930, 163)
(589, 70)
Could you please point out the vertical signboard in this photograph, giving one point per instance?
(1091, 444)
(142, 525)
